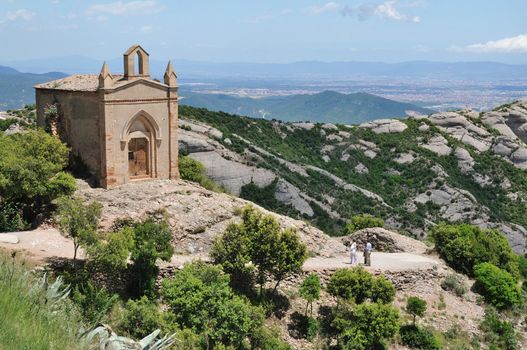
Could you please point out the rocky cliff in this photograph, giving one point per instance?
(450, 166)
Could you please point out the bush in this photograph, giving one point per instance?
(303, 326)
(498, 286)
(498, 334)
(139, 318)
(152, 241)
(464, 246)
(359, 222)
(418, 338)
(268, 339)
(200, 298)
(192, 170)
(366, 325)
(358, 285)
(453, 283)
(31, 176)
(94, 302)
(10, 218)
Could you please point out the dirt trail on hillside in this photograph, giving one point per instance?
(44, 245)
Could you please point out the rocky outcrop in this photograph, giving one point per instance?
(291, 195)
(465, 161)
(383, 126)
(196, 216)
(384, 240)
(437, 144)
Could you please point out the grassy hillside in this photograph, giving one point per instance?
(327, 106)
(29, 320)
(340, 152)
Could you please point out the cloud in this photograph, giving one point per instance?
(20, 14)
(268, 16)
(146, 29)
(507, 45)
(327, 7)
(121, 8)
(385, 10)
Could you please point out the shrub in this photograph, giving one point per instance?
(94, 302)
(139, 318)
(111, 254)
(359, 222)
(464, 246)
(200, 298)
(418, 338)
(358, 285)
(303, 326)
(192, 170)
(10, 218)
(366, 325)
(415, 306)
(498, 334)
(268, 339)
(31, 176)
(498, 286)
(152, 241)
(310, 290)
(453, 283)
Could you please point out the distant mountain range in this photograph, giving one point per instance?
(305, 70)
(16, 88)
(327, 106)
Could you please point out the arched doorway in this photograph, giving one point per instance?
(141, 135)
(138, 157)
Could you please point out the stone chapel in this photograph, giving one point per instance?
(123, 127)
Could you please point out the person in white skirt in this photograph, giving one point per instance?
(353, 253)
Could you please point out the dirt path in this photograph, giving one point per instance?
(41, 245)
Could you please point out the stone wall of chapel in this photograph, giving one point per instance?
(117, 118)
(78, 123)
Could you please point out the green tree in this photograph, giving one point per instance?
(31, 172)
(366, 325)
(94, 302)
(464, 246)
(152, 241)
(200, 298)
(358, 285)
(359, 222)
(310, 290)
(498, 286)
(415, 306)
(259, 241)
(78, 220)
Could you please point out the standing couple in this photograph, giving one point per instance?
(367, 253)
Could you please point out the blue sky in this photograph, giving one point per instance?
(268, 31)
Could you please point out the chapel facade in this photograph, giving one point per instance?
(123, 127)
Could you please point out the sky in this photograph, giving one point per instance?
(268, 31)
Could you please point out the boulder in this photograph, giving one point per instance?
(383, 240)
(383, 126)
(438, 144)
(404, 158)
(465, 161)
(361, 169)
(289, 194)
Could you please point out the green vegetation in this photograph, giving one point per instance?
(78, 221)
(32, 318)
(192, 170)
(327, 106)
(498, 333)
(454, 284)
(359, 222)
(31, 176)
(498, 286)
(259, 249)
(415, 306)
(464, 246)
(418, 338)
(310, 290)
(358, 285)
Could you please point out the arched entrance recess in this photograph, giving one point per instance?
(142, 137)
